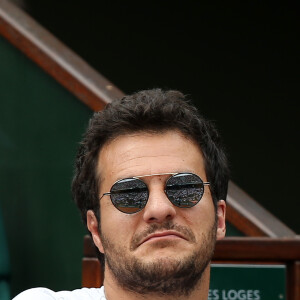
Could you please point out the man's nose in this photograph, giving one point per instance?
(159, 208)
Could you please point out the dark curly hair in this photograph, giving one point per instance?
(153, 111)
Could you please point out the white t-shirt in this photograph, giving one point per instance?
(46, 294)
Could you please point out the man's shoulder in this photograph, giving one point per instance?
(46, 294)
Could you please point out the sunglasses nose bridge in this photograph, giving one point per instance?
(158, 207)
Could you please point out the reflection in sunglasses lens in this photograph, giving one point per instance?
(184, 190)
(129, 195)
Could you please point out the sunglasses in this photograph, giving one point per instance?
(130, 195)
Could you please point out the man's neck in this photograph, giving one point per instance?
(114, 291)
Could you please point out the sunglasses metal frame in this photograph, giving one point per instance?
(150, 175)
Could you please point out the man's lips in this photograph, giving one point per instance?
(162, 235)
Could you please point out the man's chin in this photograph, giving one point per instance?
(163, 272)
(164, 259)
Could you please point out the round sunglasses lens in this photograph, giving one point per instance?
(129, 195)
(184, 189)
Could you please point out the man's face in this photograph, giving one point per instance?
(162, 238)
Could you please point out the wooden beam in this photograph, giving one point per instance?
(293, 280)
(251, 218)
(261, 249)
(91, 273)
(55, 58)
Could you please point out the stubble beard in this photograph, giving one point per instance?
(164, 276)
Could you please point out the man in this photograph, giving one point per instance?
(151, 181)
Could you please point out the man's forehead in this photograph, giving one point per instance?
(144, 153)
(145, 140)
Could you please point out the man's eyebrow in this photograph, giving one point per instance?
(154, 174)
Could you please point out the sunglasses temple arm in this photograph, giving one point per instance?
(104, 195)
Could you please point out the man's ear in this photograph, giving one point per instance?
(93, 227)
(221, 214)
